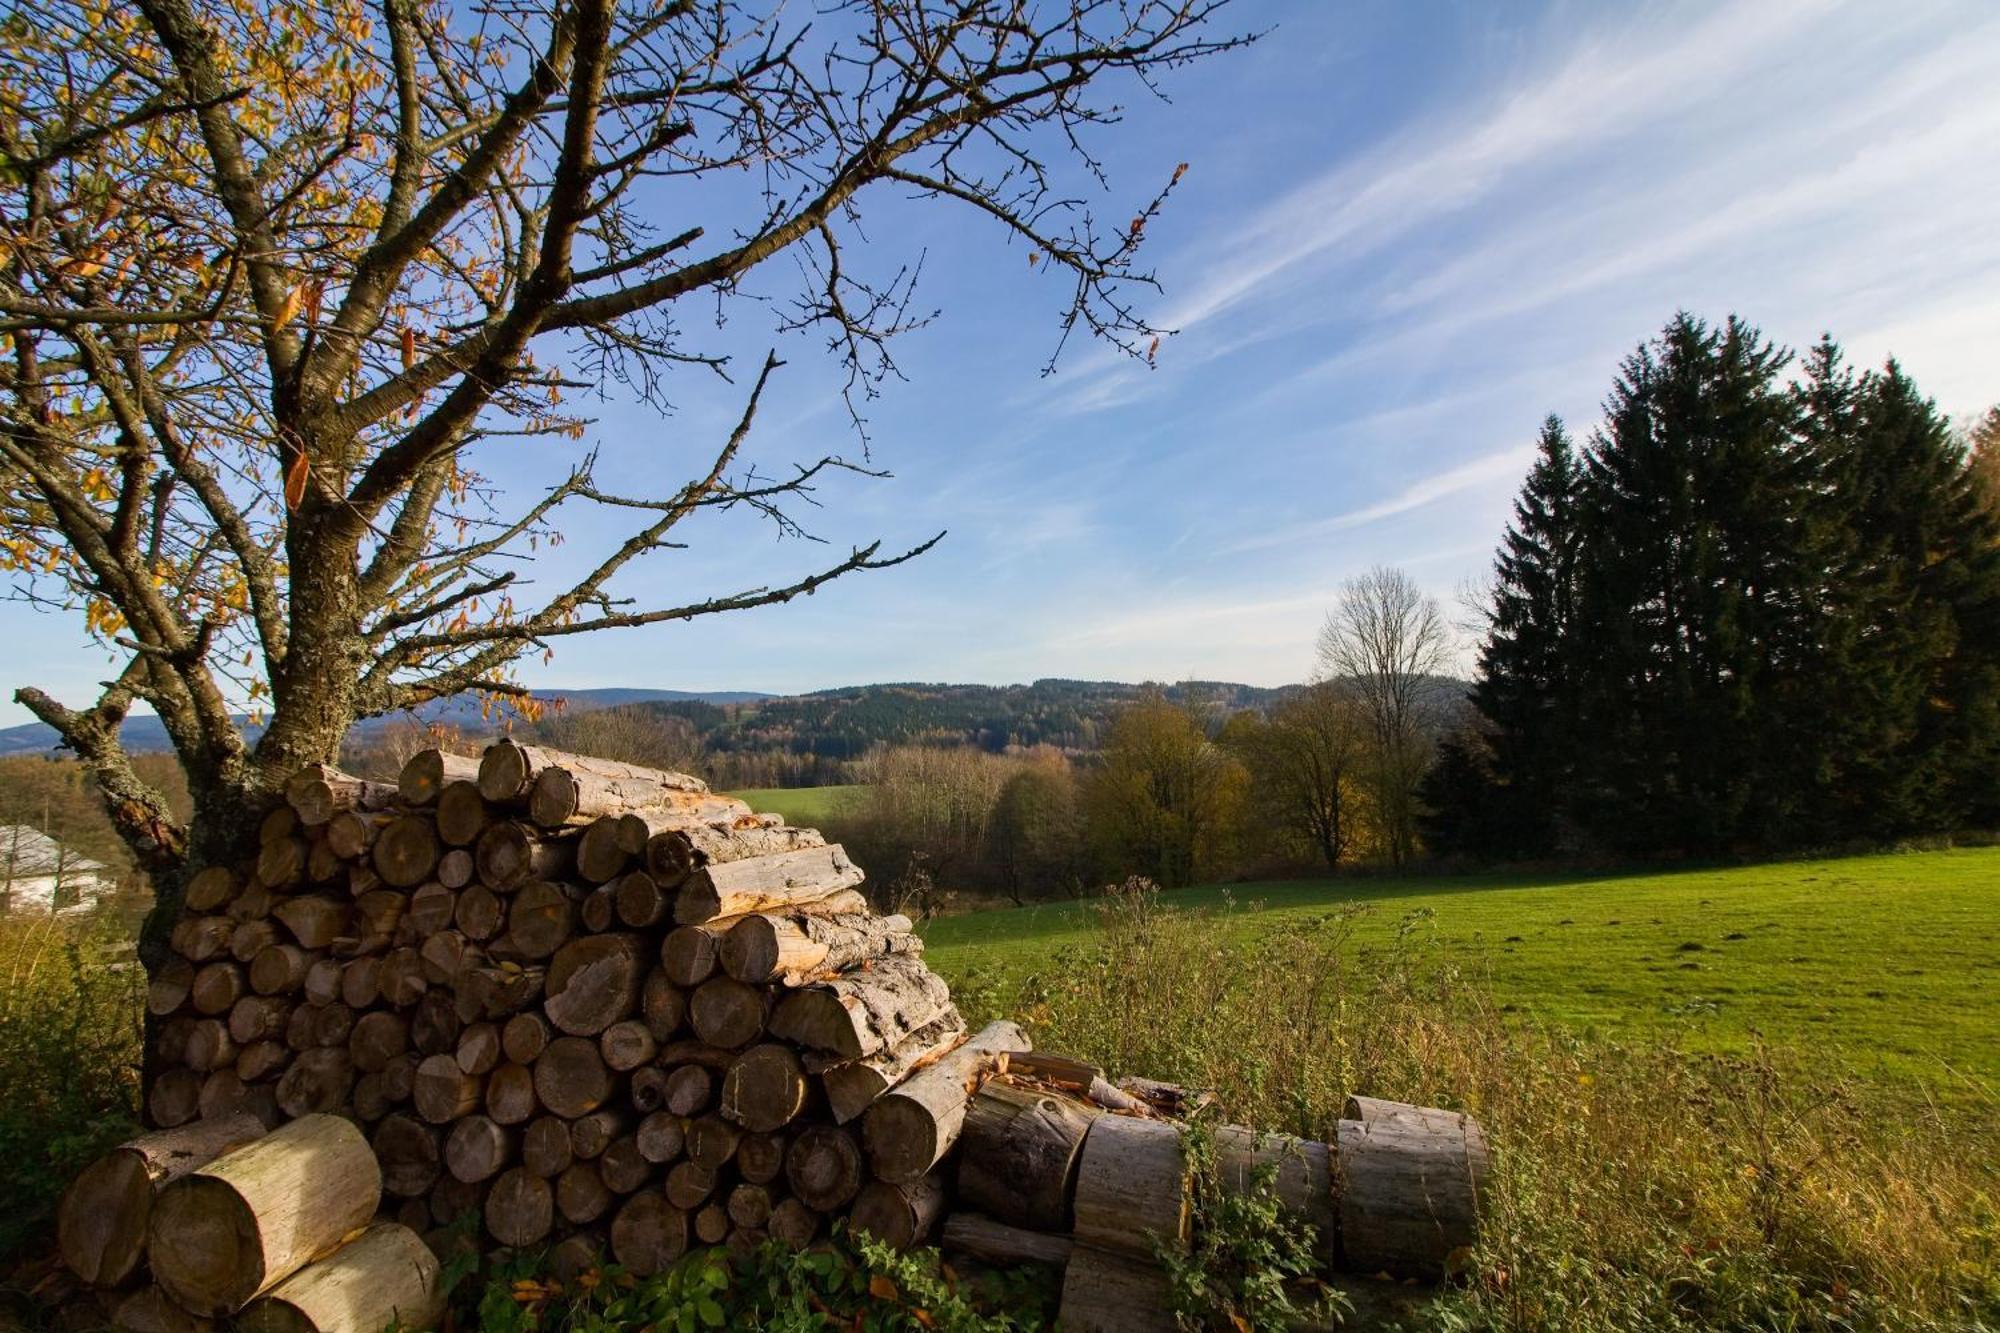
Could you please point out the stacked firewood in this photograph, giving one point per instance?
(590, 1001)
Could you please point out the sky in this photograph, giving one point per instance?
(1407, 233)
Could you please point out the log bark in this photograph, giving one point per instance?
(1409, 1192)
(766, 947)
(824, 1167)
(854, 1085)
(672, 853)
(318, 792)
(230, 1231)
(426, 773)
(570, 1078)
(765, 1088)
(1302, 1179)
(1000, 1245)
(386, 1276)
(520, 1208)
(571, 796)
(1113, 1293)
(593, 982)
(648, 1235)
(1018, 1154)
(911, 1128)
(101, 1221)
(764, 884)
(508, 770)
(899, 1215)
(1132, 1189)
(862, 1012)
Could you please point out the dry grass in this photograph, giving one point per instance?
(1634, 1187)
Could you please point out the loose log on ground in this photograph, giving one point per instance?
(899, 1215)
(766, 947)
(1409, 1192)
(1113, 1293)
(862, 1012)
(824, 1167)
(1301, 1177)
(385, 1277)
(101, 1221)
(765, 1088)
(425, 774)
(1000, 1245)
(764, 884)
(571, 1078)
(648, 1234)
(1018, 1152)
(233, 1229)
(593, 982)
(520, 1208)
(673, 853)
(911, 1128)
(1132, 1192)
(854, 1085)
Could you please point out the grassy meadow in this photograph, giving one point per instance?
(805, 806)
(1890, 965)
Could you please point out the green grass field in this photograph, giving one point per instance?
(804, 806)
(1889, 964)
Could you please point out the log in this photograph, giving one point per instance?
(459, 1205)
(250, 937)
(230, 1231)
(209, 888)
(608, 847)
(727, 1013)
(317, 1081)
(260, 1060)
(480, 913)
(689, 1184)
(461, 814)
(623, 1167)
(1018, 1154)
(169, 987)
(443, 1092)
(648, 1235)
(511, 1095)
(661, 1136)
(509, 854)
(479, 1049)
(281, 862)
(253, 904)
(823, 1166)
(572, 796)
(899, 1215)
(322, 982)
(520, 1208)
(1113, 1293)
(581, 1196)
(407, 1150)
(545, 1146)
(323, 864)
(765, 1088)
(361, 983)
(278, 823)
(101, 1221)
(209, 1045)
(151, 1310)
(711, 1223)
(571, 1079)
(853, 1086)
(1409, 1192)
(385, 1277)
(406, 851)
(793, 1223)
(862, 1012)
(351, 833)
(435, 1027)
(640, 901)
(542, 917)
(712, 1142)
(764, 884)
(760, 1158)
(446, 956)
(315, 920)
(593, 982)
(911, 1128)
(766, 947)
(590, 1135)
(648, 1088)
(456, 868)
(599, 909)
(402, 977)
(689, 955)
(318, 792)
(1000, 1245)
(688, 1090)
(479, 1148)
(201, 939)
(749, 1205)
(425, 774)
(279, 969)
(675, 851)
(1302, 1179)
(662, 1004)
(217, 987)
(378, 1037)
(379, 911)
(1132, 1190)
(174, 1099)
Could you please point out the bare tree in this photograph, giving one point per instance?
(277, 278)
(1386, 641)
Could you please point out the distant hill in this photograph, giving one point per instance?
(145, 733)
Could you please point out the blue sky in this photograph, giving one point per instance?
(1408, 232)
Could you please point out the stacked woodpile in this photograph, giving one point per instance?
(608, 1011)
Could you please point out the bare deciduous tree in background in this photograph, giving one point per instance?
(277, 278)
(1386, 641)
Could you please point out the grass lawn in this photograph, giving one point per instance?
(1890, 964)
(804, 806)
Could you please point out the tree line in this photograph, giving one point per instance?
(1754, 611)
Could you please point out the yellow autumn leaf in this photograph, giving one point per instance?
(288, 311)
(881, 1288)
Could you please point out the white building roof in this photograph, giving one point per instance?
(27, 852)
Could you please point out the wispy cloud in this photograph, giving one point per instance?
(1488, 471)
